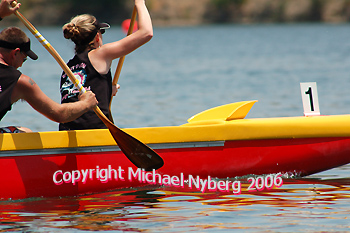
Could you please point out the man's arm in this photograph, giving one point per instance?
(29, 91)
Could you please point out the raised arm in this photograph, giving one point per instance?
(26, 89)
(108, 52)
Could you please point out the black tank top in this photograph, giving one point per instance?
(99, 84)
(8, 79)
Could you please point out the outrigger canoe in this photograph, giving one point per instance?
(217, 143)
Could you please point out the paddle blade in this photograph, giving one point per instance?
(138, 153)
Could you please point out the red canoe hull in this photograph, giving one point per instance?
(41, 174)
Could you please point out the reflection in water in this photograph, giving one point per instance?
(299, 203)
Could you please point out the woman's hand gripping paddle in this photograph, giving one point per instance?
(137, 152)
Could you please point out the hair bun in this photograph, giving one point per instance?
(70, 31)
(81, 30)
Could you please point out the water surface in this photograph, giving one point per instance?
(181, 72)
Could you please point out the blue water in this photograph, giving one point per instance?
(179, 73)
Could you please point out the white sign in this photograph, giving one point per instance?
(310, 99)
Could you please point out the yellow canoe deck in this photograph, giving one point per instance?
(219, 124)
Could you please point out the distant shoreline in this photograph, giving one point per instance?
(186, 12)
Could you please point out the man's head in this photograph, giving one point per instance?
(13, 42)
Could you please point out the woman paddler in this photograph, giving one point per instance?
(92, 62)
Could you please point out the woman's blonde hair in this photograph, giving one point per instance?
(82, 31)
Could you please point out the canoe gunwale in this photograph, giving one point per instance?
(97, 149)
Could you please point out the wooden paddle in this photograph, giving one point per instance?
(137, 152)
(121, 60)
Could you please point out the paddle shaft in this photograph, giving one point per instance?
(121, 59)
(51, 50)
(137, 152)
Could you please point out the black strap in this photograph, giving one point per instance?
(25, 47)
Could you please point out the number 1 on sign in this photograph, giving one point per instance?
(310, 99)
(309, 92)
